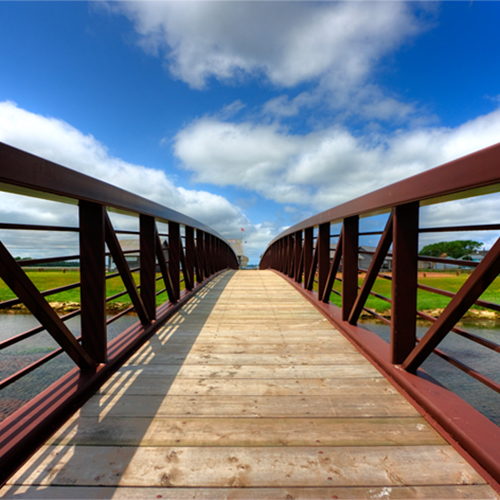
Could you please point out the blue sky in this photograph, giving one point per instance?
(249, 114)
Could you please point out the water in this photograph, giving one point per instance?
(26, 352)
(474, 355)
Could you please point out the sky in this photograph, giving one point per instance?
(249, 115)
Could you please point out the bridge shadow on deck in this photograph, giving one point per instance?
(287, 409)
(121, 414)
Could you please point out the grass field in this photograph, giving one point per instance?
(49, 279)
(425, 300)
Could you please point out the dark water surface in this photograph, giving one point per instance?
(479, 358)
(26, 352)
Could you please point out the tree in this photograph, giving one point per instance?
(454, 249)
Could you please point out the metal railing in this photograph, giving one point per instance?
(195, 252)
(302, 254)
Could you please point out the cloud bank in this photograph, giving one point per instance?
(61, 143)
(324, 168)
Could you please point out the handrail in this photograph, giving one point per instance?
(305, 261)
(471, 175)
(24, 173)
(194, 255)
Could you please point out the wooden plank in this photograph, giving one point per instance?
(446, 492)
(127, 383)
(269, 371)
(244, 337)
(124, 405)
(212, 467)
(248, 347)
(219, 404)
(206, 358)
(116, 431)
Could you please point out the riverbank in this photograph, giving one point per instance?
(473, 314)
(431, 303)
(66, 307)
(116, 307)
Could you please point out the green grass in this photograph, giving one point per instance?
(425, 300)
(49, 279)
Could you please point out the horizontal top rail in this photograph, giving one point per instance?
(471, 175)
(27, 174)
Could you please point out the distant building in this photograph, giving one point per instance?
(476, 256)
(133, 259)
(237, 245)
(365, 259)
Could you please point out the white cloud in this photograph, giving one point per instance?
(233, 153)
(231, 109)
(60, 142)
(288, 42)
(324, 168)
(332, 46)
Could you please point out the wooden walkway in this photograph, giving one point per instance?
(247, 393)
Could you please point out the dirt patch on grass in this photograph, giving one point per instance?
(435, 313)
(65, 308)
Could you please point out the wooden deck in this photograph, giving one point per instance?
(248, 392)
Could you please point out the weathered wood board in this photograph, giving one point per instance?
(247, 393)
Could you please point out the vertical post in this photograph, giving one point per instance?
(350, 237)
(279, 262)
(308, 253)
(174, 247)
(217, 252)
(147, 244)
(404, 281)
(93, 280)
(323, 256)
(290, 243)
(200, 274)
(298, 255)
(190, 253)
(284, 250)
(207, 246)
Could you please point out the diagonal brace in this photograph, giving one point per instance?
(373, 269)
(18, 281)
(478, 282)
(312, 270)
(125, 274)
(185, 272)
(334, 267)
(160, 257)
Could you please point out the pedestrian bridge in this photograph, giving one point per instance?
(246, 384)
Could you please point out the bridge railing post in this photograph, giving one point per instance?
(174, 249)
(323, 256)
(200, 257)
(350, 243)
(404, 281)
(147, 245)
(308, 252)
(93, 279)
(290, 260)
(298, 257)
(190, 257)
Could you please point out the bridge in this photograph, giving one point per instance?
(248, 384)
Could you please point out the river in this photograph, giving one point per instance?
(476, 356)
(28, 351)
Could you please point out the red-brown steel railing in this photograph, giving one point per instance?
(196, 253)
(302, 254)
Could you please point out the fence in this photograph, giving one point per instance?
(302, 254)
(195, 254)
